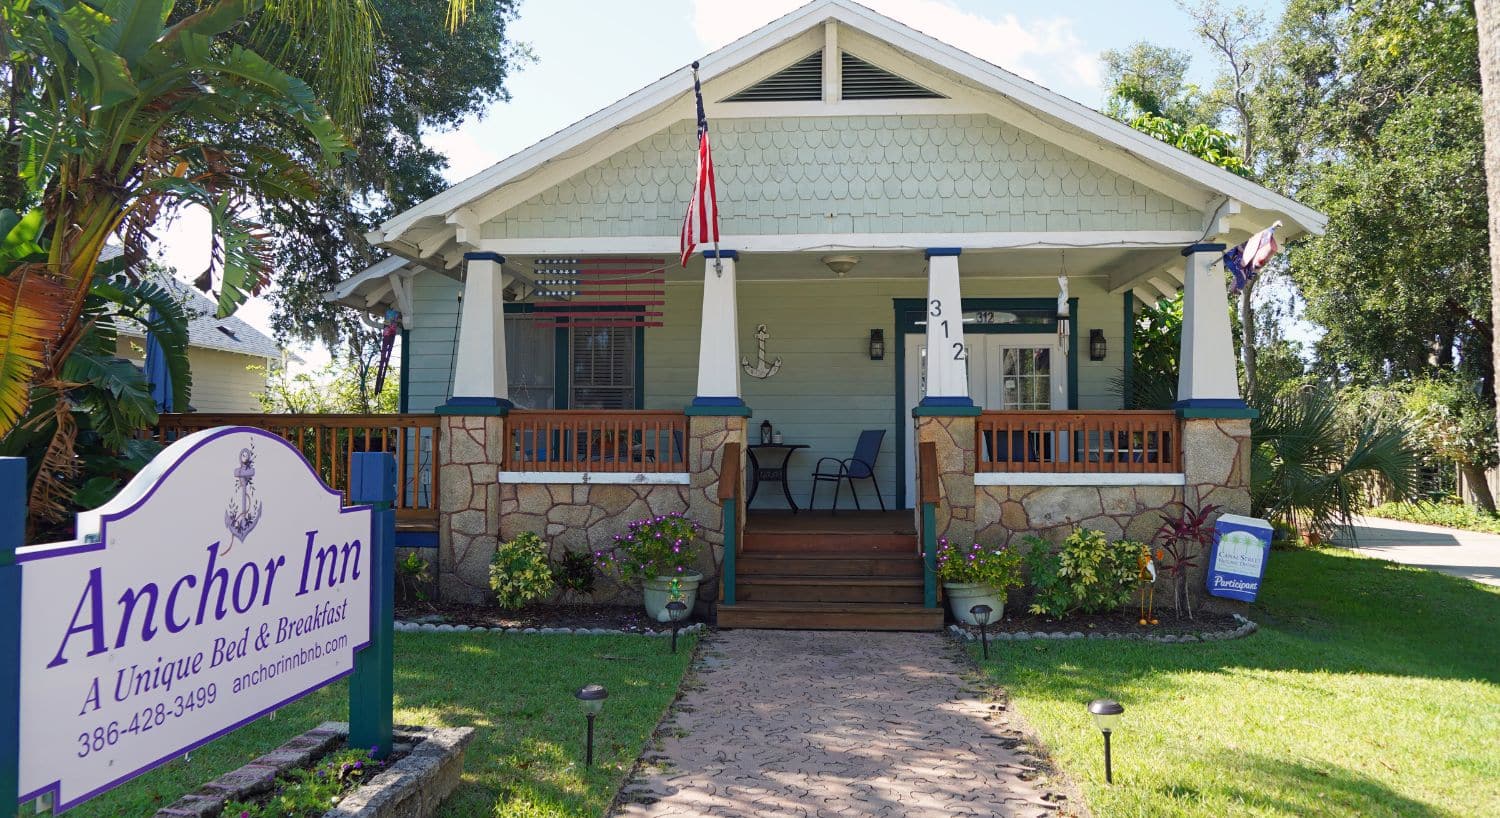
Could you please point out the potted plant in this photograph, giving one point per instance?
(660, 551)
(977, 575)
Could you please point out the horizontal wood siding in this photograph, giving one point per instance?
(433, 328)
(860, 174)
(222, 381)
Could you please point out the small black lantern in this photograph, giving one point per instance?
(765, 432)
(877, 344)
(981, 614)
(676, 611)
(591, 697)
(1098, 347)
(1106, 713)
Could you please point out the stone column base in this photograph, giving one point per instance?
(468, 453)
(954, 436)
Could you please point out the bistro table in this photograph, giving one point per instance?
(772, 472)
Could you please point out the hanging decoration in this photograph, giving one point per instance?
(388, 335)
(600, 292)
(763, 369)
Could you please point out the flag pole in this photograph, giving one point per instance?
(698, 92)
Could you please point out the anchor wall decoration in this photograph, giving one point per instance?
(763, 369)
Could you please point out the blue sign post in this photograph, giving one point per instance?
(1238, 559)
(12, 531)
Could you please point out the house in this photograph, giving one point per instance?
(230, 360)
(914, 242)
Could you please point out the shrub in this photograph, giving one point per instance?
(661, 546)
(1183, 537)
(1087, 574)
(1452, 514)
(998, 567)
(412, 578)
(575, 572)
(519, 572)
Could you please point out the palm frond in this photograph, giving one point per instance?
(32, 309)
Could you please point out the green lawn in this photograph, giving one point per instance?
(1452, 515)
(1371, 690)
(527, 759)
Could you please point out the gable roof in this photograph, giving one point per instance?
(450, 205)
(205, 331)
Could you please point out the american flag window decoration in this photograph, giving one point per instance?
(600, 292)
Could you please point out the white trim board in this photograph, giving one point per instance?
(586, 478)
(1035, 479)
(815, 242)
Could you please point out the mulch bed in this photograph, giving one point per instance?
(609, 617)
(1122, 622)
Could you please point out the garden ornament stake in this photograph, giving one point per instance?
(982, 616)
(592, 698)
(1146, 574)
(1106, 713)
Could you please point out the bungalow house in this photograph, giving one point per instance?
(920, 250)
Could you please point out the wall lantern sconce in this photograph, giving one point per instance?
(591, 698)
(877, 344)
(1098, 347)
(1106, 713)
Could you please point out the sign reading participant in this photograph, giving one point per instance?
(223, 582)
(1238, 559)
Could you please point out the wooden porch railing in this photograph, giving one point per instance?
(1138, 442)
(330, 441)
(596, 441)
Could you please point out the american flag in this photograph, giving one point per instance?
(701, 224)
(1246, 260)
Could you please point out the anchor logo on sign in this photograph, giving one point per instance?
(763, 369)
(244, 511)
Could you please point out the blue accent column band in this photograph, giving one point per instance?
(729, 254)
(1203, 247)
(949, 400)
(705, 400)
(484, 255)
(943, 251)
(458, 405)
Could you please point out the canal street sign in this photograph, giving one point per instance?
(1238, 559)
(225, 581)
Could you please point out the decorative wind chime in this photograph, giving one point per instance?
(600, 292)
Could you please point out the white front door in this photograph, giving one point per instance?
(1006, 371)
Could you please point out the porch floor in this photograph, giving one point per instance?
(823, 521)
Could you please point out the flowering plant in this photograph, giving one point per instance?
(997, 567)
(662, 546)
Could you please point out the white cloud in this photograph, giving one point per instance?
(1047, 51)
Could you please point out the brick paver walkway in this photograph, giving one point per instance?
(786, 723)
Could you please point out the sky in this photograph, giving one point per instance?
(590, 53)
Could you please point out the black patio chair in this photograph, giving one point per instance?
(859, 467)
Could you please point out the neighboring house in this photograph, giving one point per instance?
(230, 360)
(882, 194)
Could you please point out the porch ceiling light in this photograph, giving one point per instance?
(840, 264)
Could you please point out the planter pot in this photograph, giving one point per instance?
(657, 592)
(964, 595)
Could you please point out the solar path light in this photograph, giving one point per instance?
(1106, 713)
(676, 611)
(591, 697)
(981, 615)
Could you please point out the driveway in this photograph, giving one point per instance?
(792, 723)
(1465, 554)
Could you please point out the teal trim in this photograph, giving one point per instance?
(473, 411)
(946, 412)
(717, 411)
(899, 390)
(403, 397)
(1190, 412)
(929, 555)
(1127, 376)
(729, 548)
(1073, 354)
(12, 535)
(562, 368)
(640, 367)
(373, 481)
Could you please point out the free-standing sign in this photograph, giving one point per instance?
(223, 582)
(1238, 559)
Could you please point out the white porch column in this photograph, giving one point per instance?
(947, 353)
(479, 376)
(719, 341)
(1207, 378)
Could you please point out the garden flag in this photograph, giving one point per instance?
(1246, 260)
(701, 224)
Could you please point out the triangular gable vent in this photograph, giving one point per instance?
(801, 82)
(864, 81)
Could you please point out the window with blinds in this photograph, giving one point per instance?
(530, 356)
(603, 368)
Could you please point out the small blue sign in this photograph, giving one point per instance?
(1238, 559)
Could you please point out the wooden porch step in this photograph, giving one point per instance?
(749, 565)
(833, 616)
(785, 588)
(829, 542)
